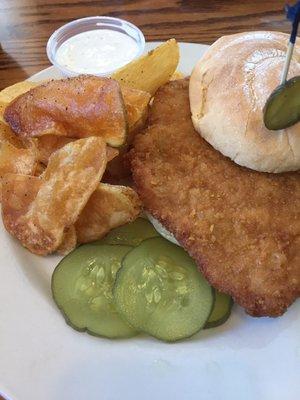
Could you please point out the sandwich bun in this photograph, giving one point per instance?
(228, 90)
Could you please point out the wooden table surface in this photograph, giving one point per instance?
(25, 25)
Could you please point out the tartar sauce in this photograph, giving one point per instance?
(96, 52)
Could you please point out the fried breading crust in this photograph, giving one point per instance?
(242, 227)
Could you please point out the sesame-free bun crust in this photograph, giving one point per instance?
(228, 89)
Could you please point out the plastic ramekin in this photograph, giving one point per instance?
(87, 24)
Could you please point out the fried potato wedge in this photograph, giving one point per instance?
(152, 70)
(69, 241)
(177, 75)
(76, 107)
(11, 92)
(108, 207)
(8, 94)
(137, 107)
(72, 175)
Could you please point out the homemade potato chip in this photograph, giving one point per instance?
(18, 193)
(108, 207)
(7, 135)
(2, 109)
(15, 160)
(72, 175)
(152, 70)
(76, 107)
(11, 92)
(69, 241)
(48, 144)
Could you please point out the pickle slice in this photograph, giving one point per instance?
(159, 291)
(131, 234)
(221, 311)
(282, 108)
(82, 286)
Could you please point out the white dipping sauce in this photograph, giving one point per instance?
(97, 51)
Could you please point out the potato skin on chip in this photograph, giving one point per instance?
(72, 175)
(108, 207)
(76, 107)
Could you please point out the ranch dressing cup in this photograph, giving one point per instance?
(94, 45)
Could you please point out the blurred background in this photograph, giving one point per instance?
(25, 25)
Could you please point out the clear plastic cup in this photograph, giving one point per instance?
(89, 24)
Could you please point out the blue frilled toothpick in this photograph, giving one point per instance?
(293, 15)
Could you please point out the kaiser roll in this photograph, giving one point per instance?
(228, 90)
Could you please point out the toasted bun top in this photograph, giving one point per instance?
(228, 90)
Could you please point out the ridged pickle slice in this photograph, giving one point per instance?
(159, 291)
(82, 285)
(283, 106)
(221, 311)
(131, 234)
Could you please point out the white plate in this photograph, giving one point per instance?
(41, 358)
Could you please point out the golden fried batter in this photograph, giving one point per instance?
(241, 226)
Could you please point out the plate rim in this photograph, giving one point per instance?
(13, 392)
